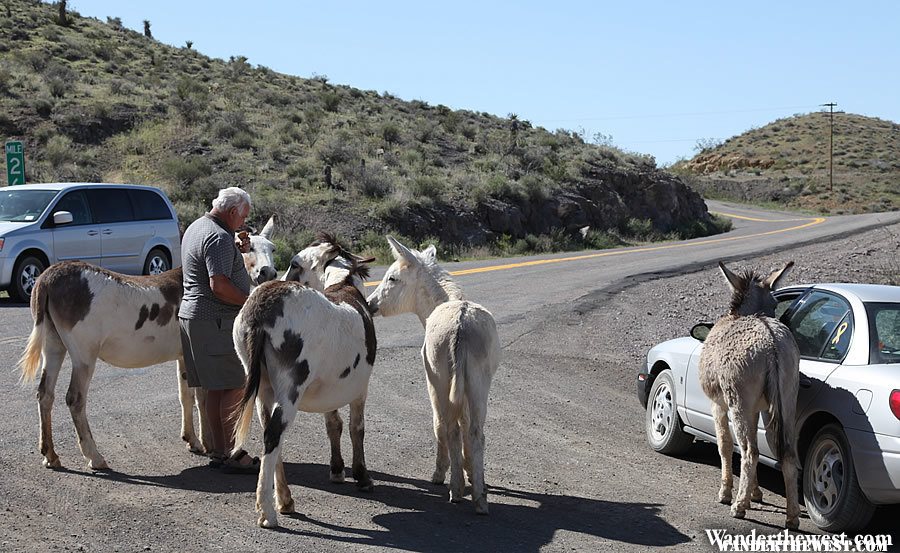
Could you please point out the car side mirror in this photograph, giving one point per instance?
(700, 331)
(62, 218)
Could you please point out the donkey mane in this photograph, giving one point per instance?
(748, 278)
(440, 281)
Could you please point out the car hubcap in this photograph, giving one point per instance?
(827, 476)
(29, 275)
(157, 265)
(661, 416)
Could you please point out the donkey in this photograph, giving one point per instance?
(750, 363)
(127, 321)
(305, 351)
(461, 354)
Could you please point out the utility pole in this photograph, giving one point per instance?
(830, 107)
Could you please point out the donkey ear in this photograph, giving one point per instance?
(430, 254)
(734, 281)
(401, 251)
(776, 275)
(268, 229)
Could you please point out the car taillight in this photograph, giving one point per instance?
(2, 240)
(894, 401)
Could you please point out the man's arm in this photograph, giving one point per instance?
(226, 291)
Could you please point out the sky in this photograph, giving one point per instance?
(655, 76)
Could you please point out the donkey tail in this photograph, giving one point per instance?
(776, 399)
(31, 358)
(459, 361)
(254, 341)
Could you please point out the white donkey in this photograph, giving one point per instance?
(308, 351)
(750, 363)
(461, 354)
(127, 321)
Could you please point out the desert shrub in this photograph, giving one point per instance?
(243, 141)
(58, 151)
(372, 182)
(43, 105)
(390, 132)
(331, 100)
(185, 170)
(424, 186)
(230, 124)
(6, 80)
(639, 229)
(337, 149)
(601, 240)
(190, 99)
(60, 80)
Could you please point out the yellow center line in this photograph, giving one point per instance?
(745, 218)
(809, 223)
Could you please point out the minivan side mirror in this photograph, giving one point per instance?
(62, 218)
(700, 331)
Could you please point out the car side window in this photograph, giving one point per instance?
(110, 205)
(75, 203)
(884, 327)
(822, 326)
(149, 206)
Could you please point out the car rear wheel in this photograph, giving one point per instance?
(831, 491)
(665, 431)
(157, 262)
(24, 275)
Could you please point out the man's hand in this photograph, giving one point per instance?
(242, 241)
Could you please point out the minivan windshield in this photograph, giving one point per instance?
(23, 206)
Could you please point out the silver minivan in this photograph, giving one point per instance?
(125, 228)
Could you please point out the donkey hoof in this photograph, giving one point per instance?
(738, 513)
(336, 477)
(481, 506)
(287, 508)
(792, 523)
(98, 465)
(196, 448)
(365, 485)
(437, 478)
(756, 496)
(268, 521)
(725, 498)
(53, 463)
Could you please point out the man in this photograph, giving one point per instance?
(216, 285)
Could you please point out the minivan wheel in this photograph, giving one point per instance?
(157, 262)
(833, 498)
(24, 276)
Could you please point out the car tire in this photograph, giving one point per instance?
(157, 262)
(25, 273)
(833, 498)
(665, 431)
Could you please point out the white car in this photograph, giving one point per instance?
(848, 408)
(125, 228)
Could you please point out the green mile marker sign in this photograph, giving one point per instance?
(15, 162)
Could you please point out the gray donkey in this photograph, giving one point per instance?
(750, 363)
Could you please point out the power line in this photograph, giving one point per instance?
(663, 115)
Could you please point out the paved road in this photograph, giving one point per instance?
(566, 462)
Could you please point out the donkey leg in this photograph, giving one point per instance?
(357, 439)
(76, 399)
(53, 353)
(334, 425)
(438, 409)
(473, 440)
(282, 416)
(186, 399)
(454, 446)
(745, 428)
(726, 450)
(284, 501)
(789, 464)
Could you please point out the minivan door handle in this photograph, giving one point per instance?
(93, 233)
(107, 231)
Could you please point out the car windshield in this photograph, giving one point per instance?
(884, 320)
(22, 206)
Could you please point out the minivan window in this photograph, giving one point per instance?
(149, 206)
(75, 203)
(23, 206)
(110, 205)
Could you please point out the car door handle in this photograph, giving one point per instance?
(107, 231)
(805, 382)
(93, 233)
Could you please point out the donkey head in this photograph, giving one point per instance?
(260, 260)
(317, 265)
(751, 293)
(398, 290)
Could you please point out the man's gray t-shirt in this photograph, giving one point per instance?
(208, 249)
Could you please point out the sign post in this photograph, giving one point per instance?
(15, 162)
